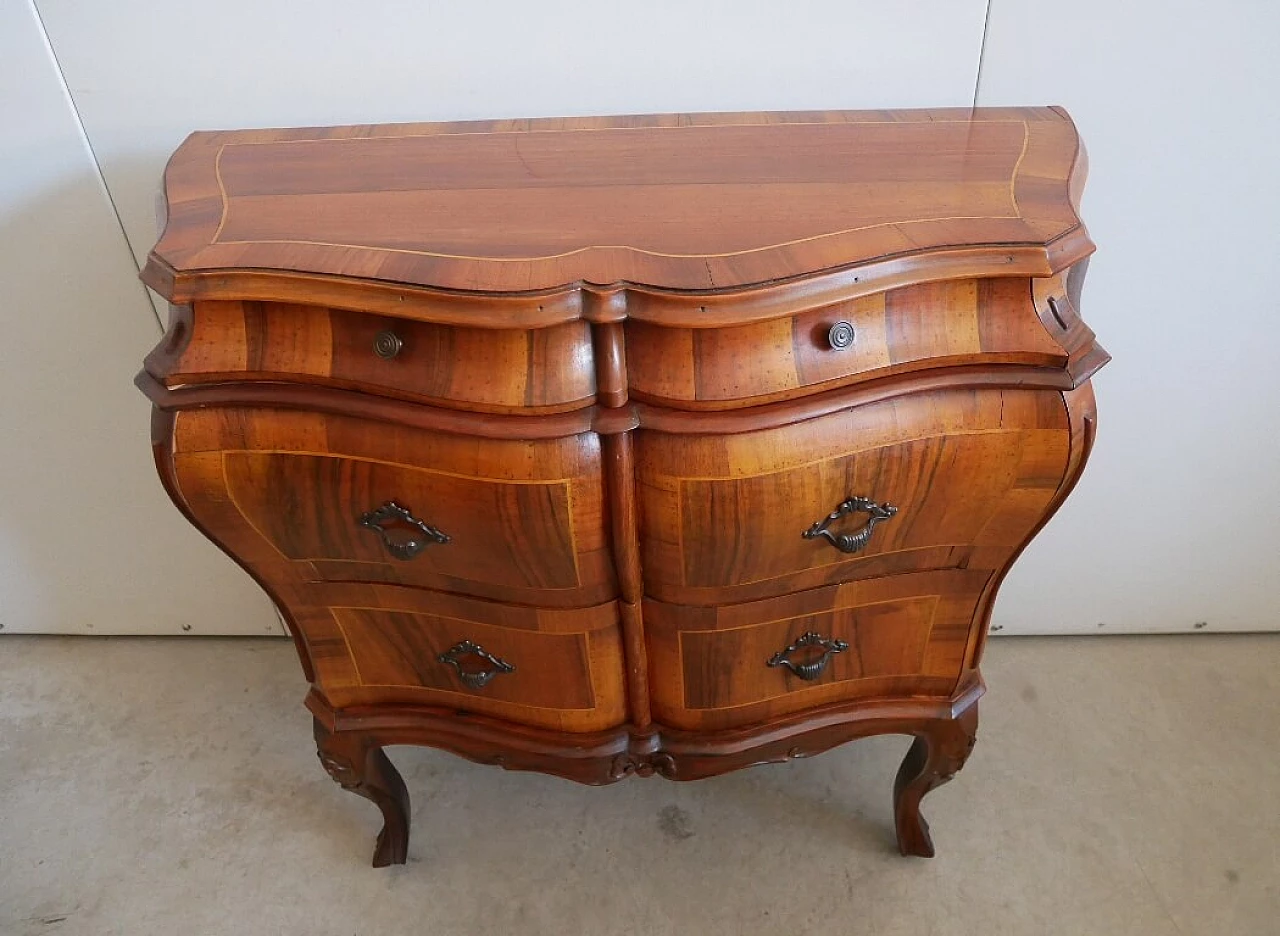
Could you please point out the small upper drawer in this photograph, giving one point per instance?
(930, 325)
(491, 370)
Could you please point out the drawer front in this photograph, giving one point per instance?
(937, 324)
(733, 665)
(965, 474)
(381, 645)
(539, 370)
(331, 498)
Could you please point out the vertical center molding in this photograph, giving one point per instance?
(620, 484)
(606, 311)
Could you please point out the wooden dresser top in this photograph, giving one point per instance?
(669, 203)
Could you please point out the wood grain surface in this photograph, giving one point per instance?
(544, 370)
(689, 201)
(612, 408)
(525, 518)
(950, 324)
(970, 472)
(380, 645)
(906, 636)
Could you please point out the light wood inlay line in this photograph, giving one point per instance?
(320, 580)
(819, 613)
(217, 170)
(337, 619)
(227, 486)
(832, 559)
(567, 482)
(806, 689)
(646, 129)
(940, 436)
(222, 190)
(231, 496)
(400, 609)
(1013, 176)
(627, 247)
(351, 657)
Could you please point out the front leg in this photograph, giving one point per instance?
(940, 749)
(358, 764)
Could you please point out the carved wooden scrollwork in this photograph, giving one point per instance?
(342, 771)
(643, 765)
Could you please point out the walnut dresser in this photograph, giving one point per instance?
(629, 445)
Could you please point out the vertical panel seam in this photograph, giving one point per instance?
(93, 156)
(982, 53)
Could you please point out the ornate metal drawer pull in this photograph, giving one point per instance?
(851, 542)
(812, 669)
(391, 515)
(474, 679)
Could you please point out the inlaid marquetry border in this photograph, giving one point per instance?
(582, 639)
(566, 483)
(934, 601)
(216, 240)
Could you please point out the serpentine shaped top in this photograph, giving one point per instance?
(668, 203)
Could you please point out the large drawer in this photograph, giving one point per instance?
(338, 499)
(893, 637)
(966, 475)
(382, 645)
(491, 370)
(964, 322)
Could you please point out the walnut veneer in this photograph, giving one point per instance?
(629, 445)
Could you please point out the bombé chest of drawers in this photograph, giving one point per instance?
(601, 447)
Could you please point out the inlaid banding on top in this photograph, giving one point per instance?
(702, 202)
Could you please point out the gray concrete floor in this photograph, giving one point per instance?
(1119, 786)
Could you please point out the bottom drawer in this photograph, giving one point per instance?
(722, 667)
(383, 645)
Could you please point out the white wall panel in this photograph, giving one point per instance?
(1177, 520)
(89, 543)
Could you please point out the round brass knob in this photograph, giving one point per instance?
(387, 344)
(840, 336)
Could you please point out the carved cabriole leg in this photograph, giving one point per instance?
(940, 749)
(358, 764)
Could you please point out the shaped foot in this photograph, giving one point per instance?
(939, 751)
(358, 764)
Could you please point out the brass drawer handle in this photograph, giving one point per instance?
(474, 679)
(391, 516)
(851, 542)
(840, 336)
(387, 344)
(812, 669)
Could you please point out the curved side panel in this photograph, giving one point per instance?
(1082, 414)
(162, 426)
